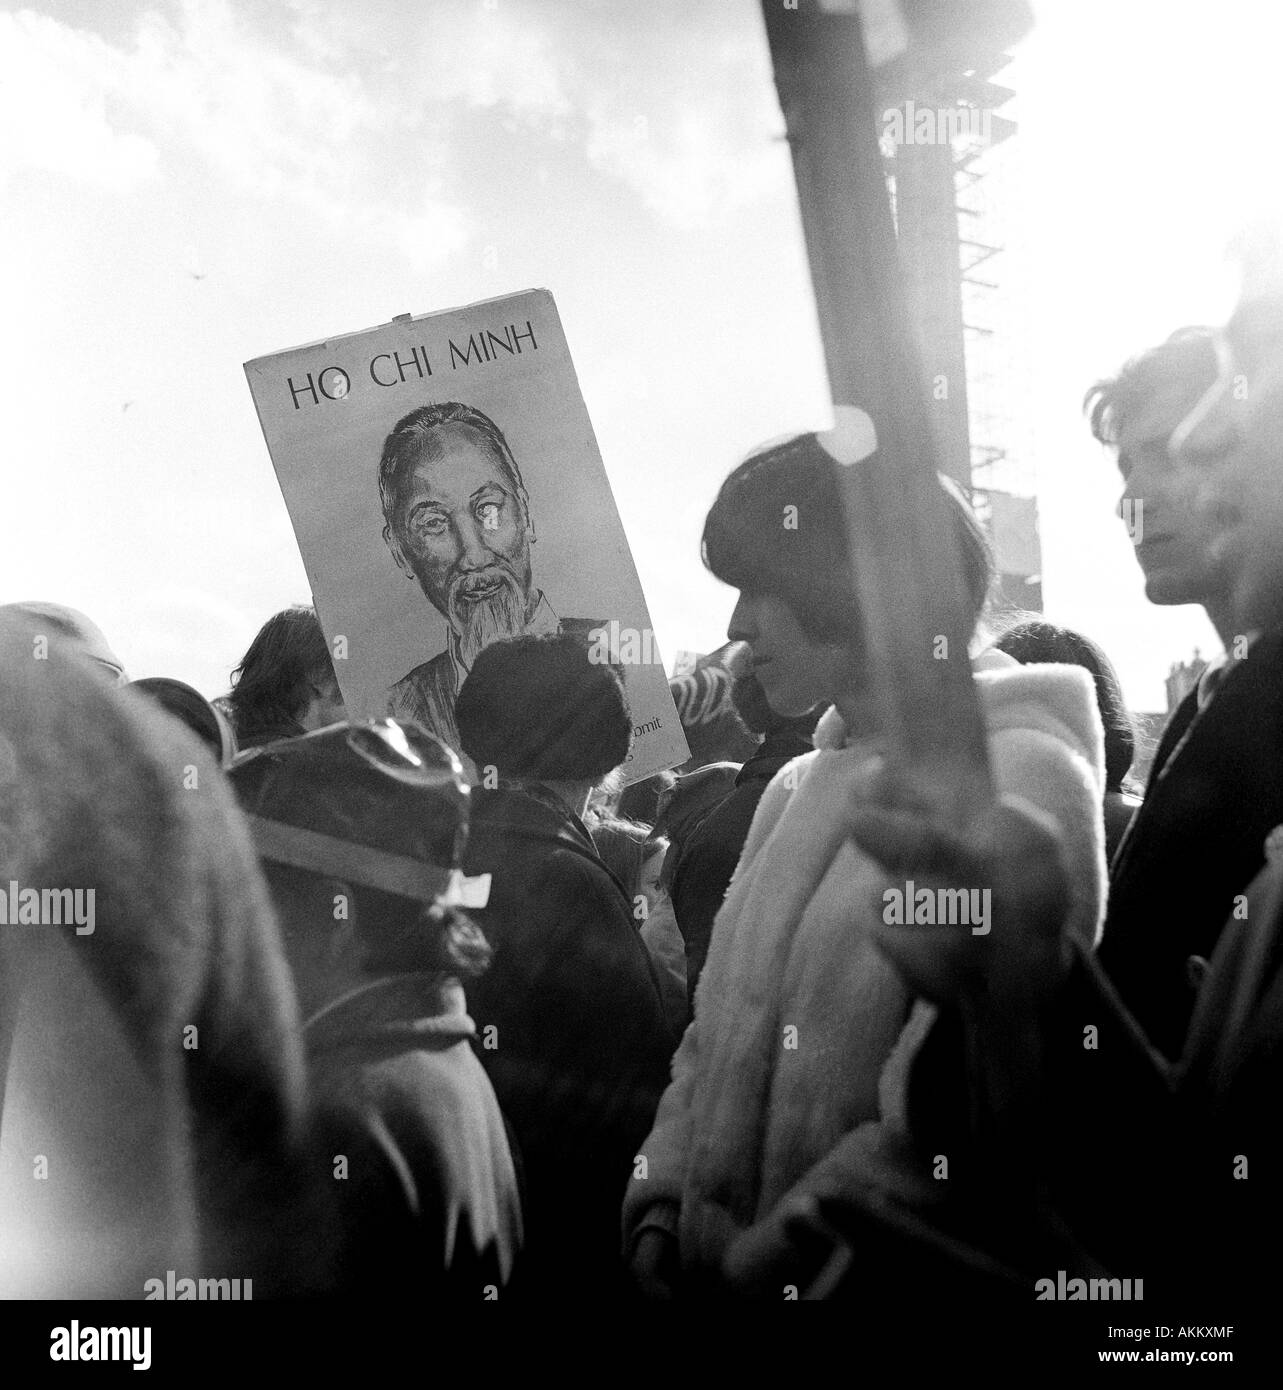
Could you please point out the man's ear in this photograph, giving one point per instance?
(398, 554)
(525, 511)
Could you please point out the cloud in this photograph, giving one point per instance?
(264, 118)
(697, 140)
(54, 90)
(427, 235)
(360, 115)
(268, 117)
(673, 101)
(502, 55)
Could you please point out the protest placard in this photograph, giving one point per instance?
(454, 451)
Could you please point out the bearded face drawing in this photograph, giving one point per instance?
(457, 521)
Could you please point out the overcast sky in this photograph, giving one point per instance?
(189, 184)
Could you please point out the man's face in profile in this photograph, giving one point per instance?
(1236, 434)
(1172, 535)
(463, 530)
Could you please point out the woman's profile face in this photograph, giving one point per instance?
(796, 672)
(650, 870)
(325, 705)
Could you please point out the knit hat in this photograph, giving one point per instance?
(540, 708)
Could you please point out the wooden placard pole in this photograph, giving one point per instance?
(907, 568)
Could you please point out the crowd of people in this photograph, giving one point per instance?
(333, 1017)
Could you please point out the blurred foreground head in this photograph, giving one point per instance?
(69, 625)
(361, 828)
(152, 1102)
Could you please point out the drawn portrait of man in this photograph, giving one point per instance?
(457, 522)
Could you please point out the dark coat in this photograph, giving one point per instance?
(429, 1203)
(579, 1052)
(708, 859)
(268, 733)
(1120, 810)
(1214, 795)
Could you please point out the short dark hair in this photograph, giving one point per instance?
(1035, 640)
(191, 708)
(402, 448)
(271, 685)
(747, 544)
(542, 709)
(1189, 355)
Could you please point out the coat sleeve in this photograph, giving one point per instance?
(1044, 766)
(699, 888)
(654, 1201)
(653, 1198)
(586, 1045)
(1049, 773)
(884, 1167)
(663, 940)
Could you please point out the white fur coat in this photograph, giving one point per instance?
(798, 1017)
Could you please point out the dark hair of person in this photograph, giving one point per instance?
(403, 448)
(1187, 358)
(639, 801)
(540, 708)
(273, 684)
(189, 707)
(396, 935)
(777, 527)
(625, 846)
(1037, 641)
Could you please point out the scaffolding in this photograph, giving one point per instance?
(950, 170)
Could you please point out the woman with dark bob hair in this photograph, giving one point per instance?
(789, 1082)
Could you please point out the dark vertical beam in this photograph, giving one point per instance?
(907, 569)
